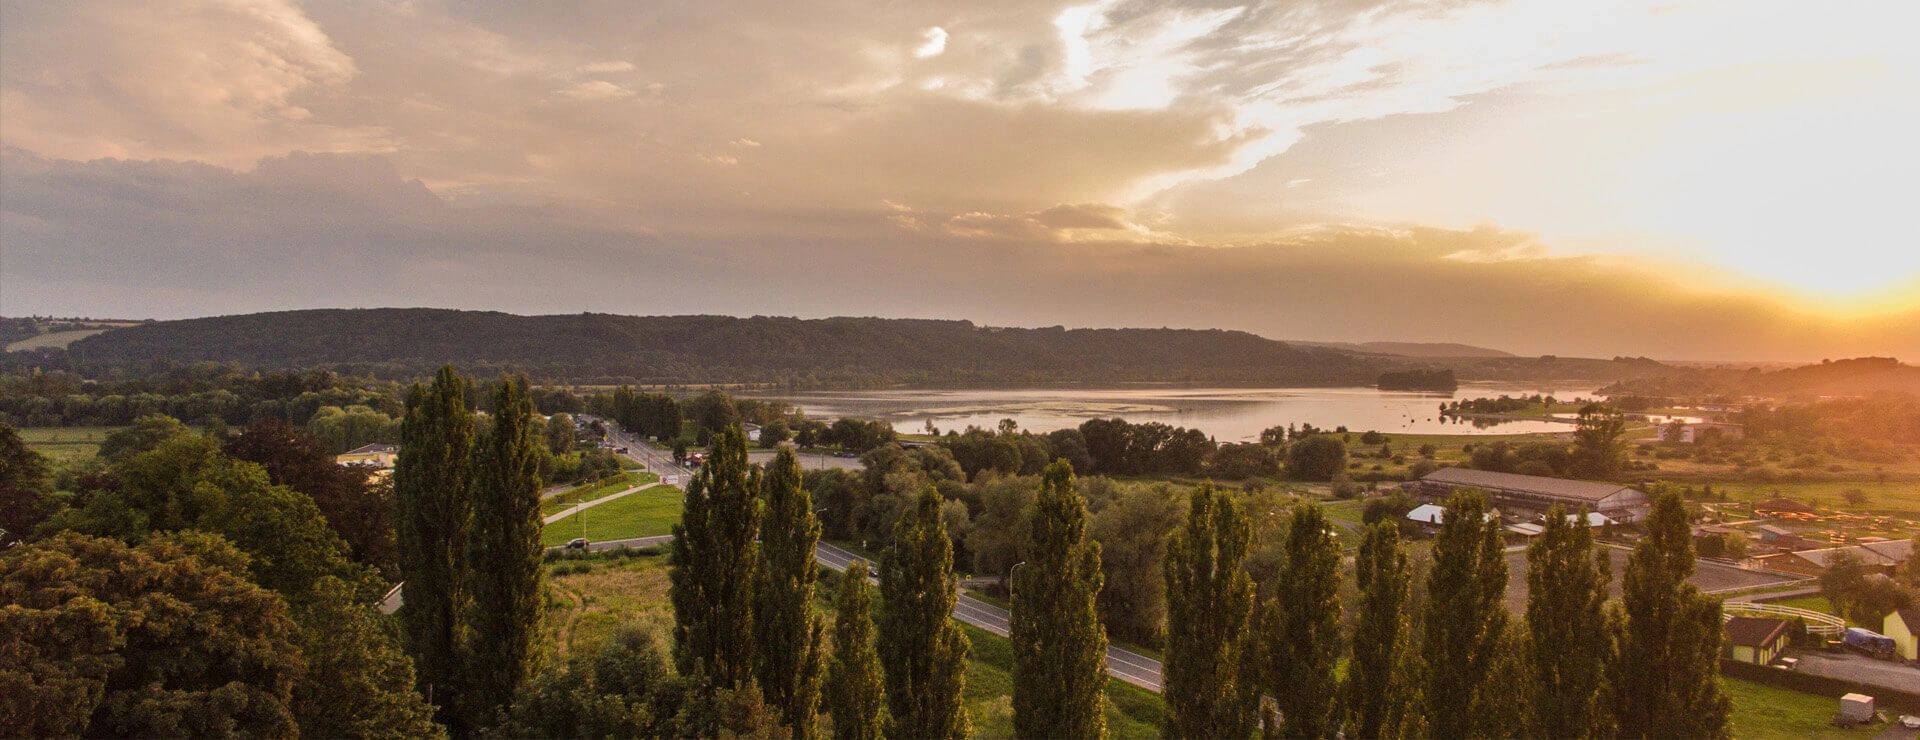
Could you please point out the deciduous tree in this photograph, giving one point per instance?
(1379, 630)
(1567, 624)
(1209, 600)
(1465, 616)
(506, 553)
(1059, 645)
(923, 653)
(433, 497)
(714, 559)
(854, 693)
(790, 636)
(1300, 634)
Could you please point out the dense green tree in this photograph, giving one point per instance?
(1316, 457)
(1666, 677)
(146, 433)
(1567, 619)
(433, 502)
(357, 504)
(715, 557)
(1059, 645)
(923, 653)
(1842, 580)
(1379, 629)
(560, 434)
(713, 411)
(163, 640)
(1599, 445)
(1209, 600)
(358, 682)
(1300, 630)
(1132, 531)
(789, 635)
(1465, 613)
(854, 691)
(505, 553)
(24, 498)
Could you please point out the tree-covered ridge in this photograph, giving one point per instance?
(409, 342)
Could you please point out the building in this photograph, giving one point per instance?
(1756, 640)
(1903, 625)
(752, 431)
(1534, 494)
(1776, 506)
(375, 455)
(1691, 433)
(1878, 557)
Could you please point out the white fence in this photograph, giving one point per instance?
(1818, 623)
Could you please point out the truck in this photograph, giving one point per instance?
(1869, 642)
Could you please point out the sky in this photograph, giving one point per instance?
(1717, 179)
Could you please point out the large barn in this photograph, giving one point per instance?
(1532, 493)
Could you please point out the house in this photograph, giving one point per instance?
(753, 432)
(1523, 532)
(1536, 494)
(379, 456)
(1432, 514)
(1877, 557)
(1774, 506)
(1756, 640)
(1903, 625)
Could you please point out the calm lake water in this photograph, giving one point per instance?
(1228, 414)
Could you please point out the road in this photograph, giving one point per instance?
(1123, 664)
(661, 461)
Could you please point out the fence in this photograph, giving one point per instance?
(1819, 624)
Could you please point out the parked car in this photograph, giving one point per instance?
(578, 543)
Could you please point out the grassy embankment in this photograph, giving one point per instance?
(584, 608)
(591, 491)
(650, 512)
(1762, 712)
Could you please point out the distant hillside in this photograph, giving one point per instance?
(1855, 377)
(592, 348)
(1413, 349)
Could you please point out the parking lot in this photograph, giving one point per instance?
(1709, 576)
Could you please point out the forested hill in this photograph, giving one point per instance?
(590, 348)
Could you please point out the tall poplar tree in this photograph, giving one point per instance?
(1301, 629)
(922, 651)
(433, 501)
(1465, 616)
(853, 690)
(790, 636)
(1209, 600)
(506, 552)
(713, 562)
(1567, 618)
(1059, 645)
(1666, 678)
(1379, 630)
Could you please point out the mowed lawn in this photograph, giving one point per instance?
(1762, 712)
(65, 444)
(643, 514)
(591, 491)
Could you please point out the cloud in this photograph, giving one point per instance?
(936, 42)
(595, 90)
(606, 67)
(95, 78)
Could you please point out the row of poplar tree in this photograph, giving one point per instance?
(467, 529)
(1446, 663)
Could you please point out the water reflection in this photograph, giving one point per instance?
(1228, 414)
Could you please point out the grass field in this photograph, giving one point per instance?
(53, 339)
(1762, 712)
(644, 514)
(593, 491)
(65, 444)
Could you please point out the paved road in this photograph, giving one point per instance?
(1125, 665)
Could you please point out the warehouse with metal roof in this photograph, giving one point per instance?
(1512, 493)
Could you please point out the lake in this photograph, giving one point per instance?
(1227, 414)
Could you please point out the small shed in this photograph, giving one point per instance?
(1903, 625)
(1856, 708)
(1429, 514)
(1756, 640)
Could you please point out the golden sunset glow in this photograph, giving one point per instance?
(1722, 178)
